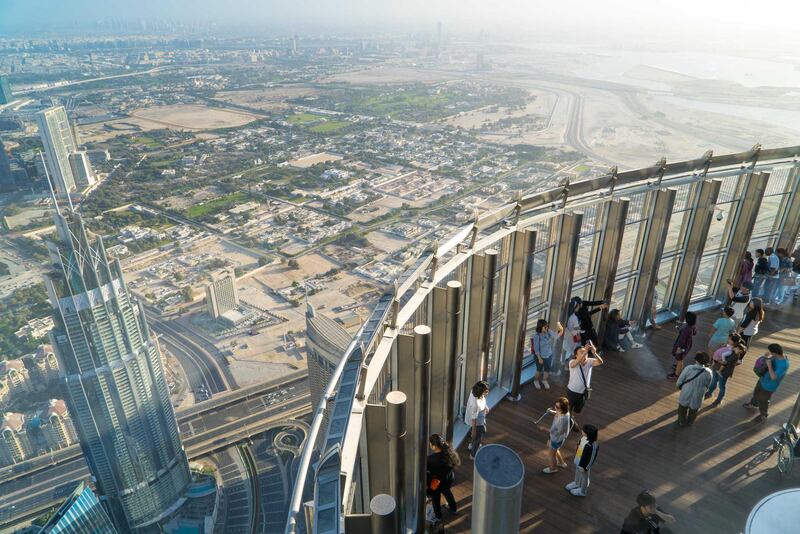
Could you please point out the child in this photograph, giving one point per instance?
(559, 431)
(584, 459)
(722, 329)
(683, 345)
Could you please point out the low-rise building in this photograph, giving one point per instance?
(14, 443)
(14, 378)
(35, 328)
(56, 425)
(43, 366)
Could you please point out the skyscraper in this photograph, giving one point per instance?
(6, 178)
(221, 295)
(58, 141)
(81, 513)
(114, 379)
(5, 91)
(326, 343)
(81, 170)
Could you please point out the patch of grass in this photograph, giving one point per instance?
(303, 118)
(582, 168)
(215, 206)
(328, 126)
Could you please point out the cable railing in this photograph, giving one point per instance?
(468, 300)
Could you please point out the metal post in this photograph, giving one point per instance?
(517, 299)
(474, 306)
(696, 233)
(396, 434)
(383, 512)
(453, 350)
(498, 479)
(489, 275)
(376, 445)
(791, 223)
(560, 271)
(743, 218)
(659, 205)
(422, 361)
(615, 212)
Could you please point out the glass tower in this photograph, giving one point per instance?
(82, 513)
(58, 141)
(114, 378)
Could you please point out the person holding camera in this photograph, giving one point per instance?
(580, 366)
(740, 298)
(770, 368)
(646, 517)
(693, 384)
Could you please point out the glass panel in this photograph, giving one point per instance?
(618, 298)
(675, 231)
(719, 229)
(627, 253)
(767, 213)
(705, 277)
(539, 271)
(584, 258)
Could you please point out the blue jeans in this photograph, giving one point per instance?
(758, 285)
(722, 382)
(771, 288)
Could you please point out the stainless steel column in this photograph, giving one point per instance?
(422, 362)
(702, 213)
(498, 479)
(445, 308)
(396, 434)
(561, 268)
(613, 217)
(516, 310)
(791, 223)
(478, 297)
(375, 442)
(751, 187)
(383, 515)
(489, 276)
(659, 204)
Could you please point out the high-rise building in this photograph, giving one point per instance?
(81, 513)
(5, 91)
(81, 170)
(59, 142)
(14, 443)
(326, 344)
(221, 295)
(56, 425)
(114, 379)
(6, 177)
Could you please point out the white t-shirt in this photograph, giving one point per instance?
(739, 304)
(576, 384)
(475, 410)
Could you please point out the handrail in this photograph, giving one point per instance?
(612, 184)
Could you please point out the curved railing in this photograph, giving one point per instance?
(674, 229)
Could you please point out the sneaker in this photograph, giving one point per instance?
(672, 376)
(562, 465)
(571, 486)
(577, 492)
(620, 349)
(714, 404)
(548, 471)
(637, 346)
(537, 385)
(546, 384)
(749, 405)
(707, 396)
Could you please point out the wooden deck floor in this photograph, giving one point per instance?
(708, 476)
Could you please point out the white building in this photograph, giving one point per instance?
(81, 170)
(59, 143)
(221, 295)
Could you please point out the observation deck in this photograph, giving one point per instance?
(666, 236)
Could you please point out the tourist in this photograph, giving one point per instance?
(440, 474)
(617, 336)
(795, 271)
(542, 344)
(683, 344)
(588, 333)
(653, 312)
(585, 456)
(645, 517)
(771, 373)
(773, 276)
(722, 329)
(693, 384)
(785, 275)
(752, 319)
(740, 298)
(580, 376)
(475, 415)
(760, 272)
(559, 431)
(724, 362)
(745, 272)
(572, 333)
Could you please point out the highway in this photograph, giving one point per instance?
(207, 430)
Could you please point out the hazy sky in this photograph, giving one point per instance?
(772, 20)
